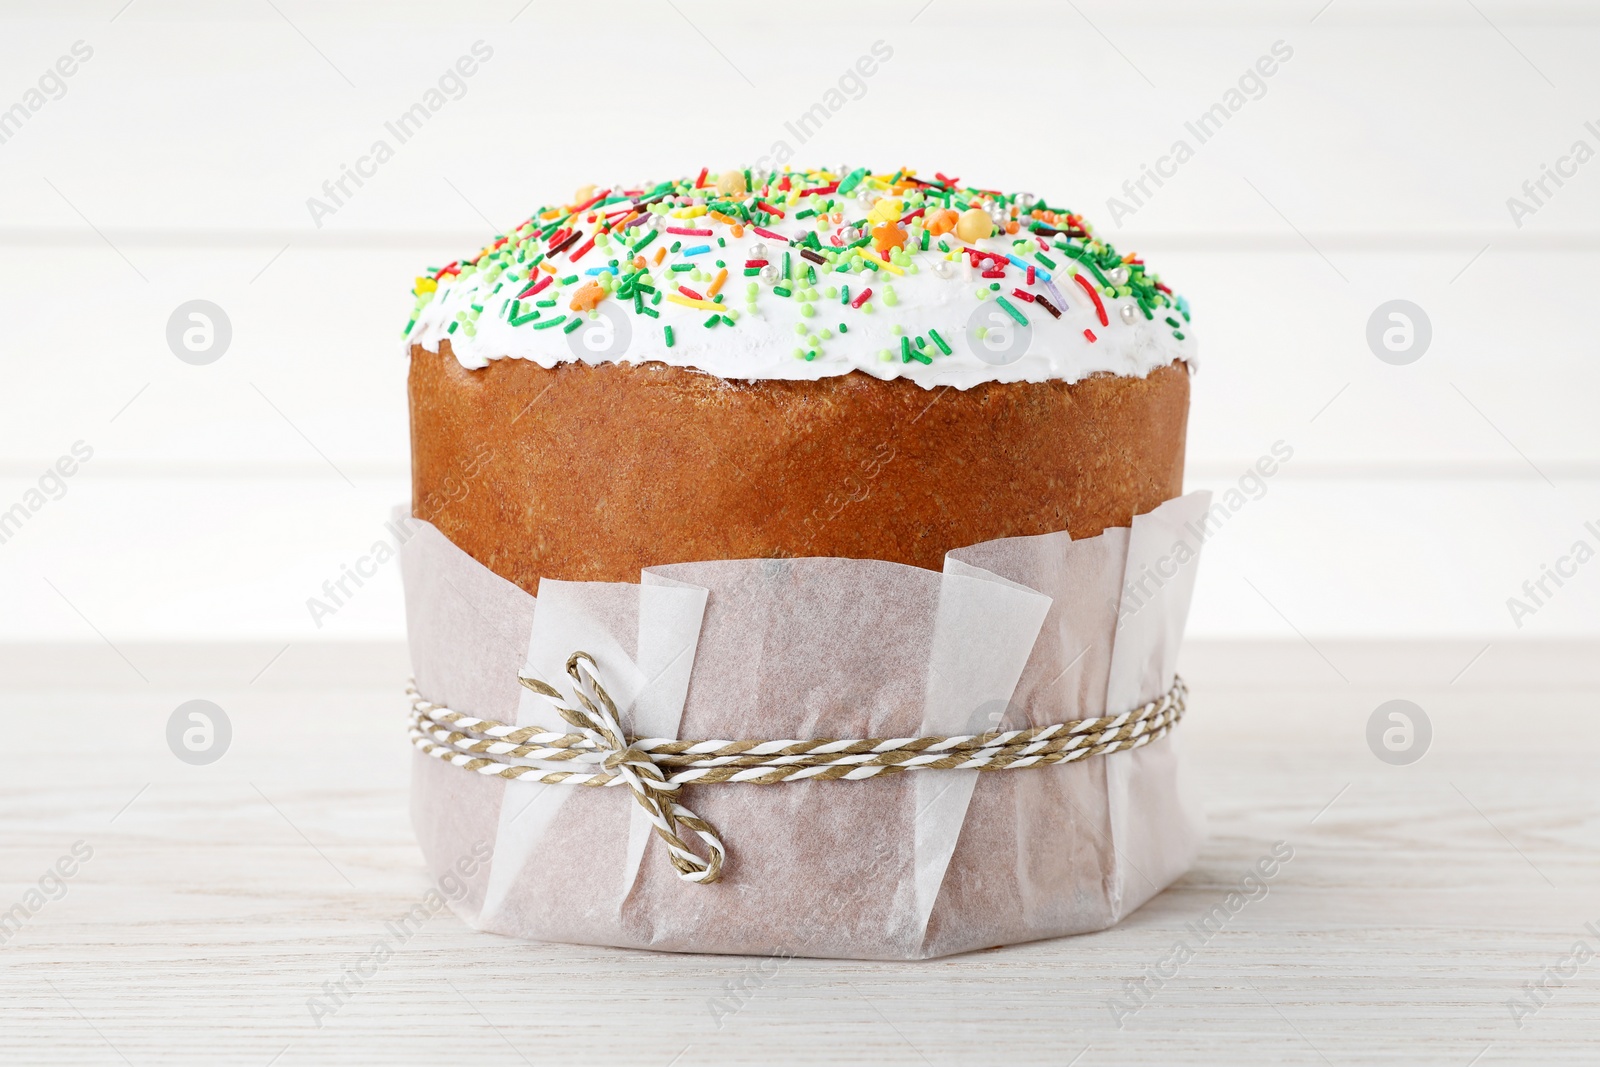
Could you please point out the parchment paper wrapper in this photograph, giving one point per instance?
(1017, 632)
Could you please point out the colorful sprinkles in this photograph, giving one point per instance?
(844, 235)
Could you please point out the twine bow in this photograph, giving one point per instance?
(656, 768)
(597, 720)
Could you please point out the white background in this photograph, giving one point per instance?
(1376, 166)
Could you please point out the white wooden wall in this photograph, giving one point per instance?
(1376, 165)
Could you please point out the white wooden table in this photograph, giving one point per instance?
(218, 899)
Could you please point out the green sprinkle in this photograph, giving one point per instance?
(1046, 260)
(452, 327)
(712, 321)
(781, 291)
(572, 325)
(668, 331)
(844, 295)
(843, 328)
(905, 350)
(940, 341)
(569, 279)
(1010, 309)
(547, 323)
(652, 312)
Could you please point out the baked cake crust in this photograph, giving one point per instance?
(591, 473)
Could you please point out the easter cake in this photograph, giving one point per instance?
(748, 492)
(834, 362)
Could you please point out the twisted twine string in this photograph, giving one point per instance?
(656, 768)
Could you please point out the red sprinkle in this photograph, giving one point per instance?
(769, 233)
(1099, 308)
(755, 263)
(769, 209)
(861, 298)
(700, 181)
(688, 232)
(1089, 334)
(690, 293)
(1030, 278)
(591, 202)
(537, 287)
(994, 274)
(1020, 295)
(581, 250)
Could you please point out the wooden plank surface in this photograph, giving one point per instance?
(219, 899)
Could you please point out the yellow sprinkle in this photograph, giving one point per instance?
(867, 253)
(704, 305)
(426, 285)
(887, 209)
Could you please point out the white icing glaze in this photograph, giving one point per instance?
(762, 342)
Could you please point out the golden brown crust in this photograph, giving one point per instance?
(592, 473)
